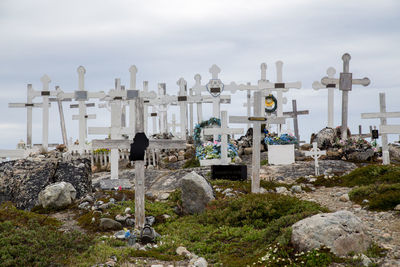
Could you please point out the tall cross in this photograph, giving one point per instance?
(182, 100)
(224, 131)
(315, 153)
(59, 101)
(258, 119)
(31, 94)
(293, 114)
(345, 82)
(331, 87)
(384, 129)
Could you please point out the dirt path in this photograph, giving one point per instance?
(382, 227)
(67, 218)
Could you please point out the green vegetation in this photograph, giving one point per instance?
(29, 239)
(235, 232)
(264, 162)
(379, 184)
(191, 163)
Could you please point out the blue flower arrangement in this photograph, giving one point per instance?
(284, 139)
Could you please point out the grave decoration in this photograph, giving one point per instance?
(284, 139)
(212, 150)
(200, 126)
(271, 104)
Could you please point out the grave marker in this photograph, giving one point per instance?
(383, 128)
(293, 114)
(331, 87)
(315, 153)
(345, 83)
(223, 131)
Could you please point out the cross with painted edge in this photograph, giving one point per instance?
(315, 153)
(223, 131)
(331, 87)
(345, 83)
(384, 129)
(293, 114)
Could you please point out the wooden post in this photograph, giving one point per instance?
(145, 110)
(294, 114)
(255, 169)
(45, 116)
(139, 171)
(385, 146)
(331, 87)
(62, 120)
(29, 117)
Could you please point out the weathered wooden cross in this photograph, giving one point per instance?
(331, 87)
(293, 114)
(139, 165)
(384, 129)
(345, 83)
(224, 131)
(315, 153)
(258, 119)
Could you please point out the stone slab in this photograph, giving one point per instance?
(110, 184)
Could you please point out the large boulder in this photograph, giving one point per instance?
(57, 195)
(341, 231)
(325, 138)
(196, 193)
(107, 224)
(360, 156)
(21, 181)
(394, 152)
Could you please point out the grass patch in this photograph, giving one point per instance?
(29, 239)
(380, 197)
(191, 163)
(235, 232)
(264, 162)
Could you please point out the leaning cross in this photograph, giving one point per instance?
(331, 87)
(293, 114)
(223, 131)
(384, 129)
(315, 153)
(345, 82)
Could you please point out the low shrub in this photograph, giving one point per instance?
(380, 197)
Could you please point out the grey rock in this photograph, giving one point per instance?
(150, 220)
(325, 138)
(84, 205)
(57, 195)
(344, 198)
(360, 156)
(111, 200)
(120, 218)
(397, 207)
(394, 153)
(196, 193)
(130, 222)
(341, 231)
(296, 189)
(110, 184)
(200, 262)
(120, 235)
(22, 180)
(107, 224)
(281, 190)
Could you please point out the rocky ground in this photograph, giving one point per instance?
(382, 227)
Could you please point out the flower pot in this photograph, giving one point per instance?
(280, 154)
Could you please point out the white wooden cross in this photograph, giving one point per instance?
(116, 130)
(31, 94)
(183, 100)
(384, 129)
(293, 114)
(173, 125)
(315, 153)
(258, 119)
(345, 83)
(198, 88)
(223, 131)
(331, 87)
(59, 101)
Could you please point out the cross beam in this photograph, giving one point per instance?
(293, 114)
(315, 153)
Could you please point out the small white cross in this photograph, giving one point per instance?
(214, 70)
(315, 153)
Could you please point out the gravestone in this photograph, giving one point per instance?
(229, 172)
(315, 153)
(345, 83)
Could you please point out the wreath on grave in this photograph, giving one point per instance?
(271, 103)
(210, 150)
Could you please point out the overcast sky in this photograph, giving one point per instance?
(167, 40)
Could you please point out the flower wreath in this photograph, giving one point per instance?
(271, 104)
(200, 126)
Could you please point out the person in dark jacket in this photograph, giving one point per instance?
(138, 147)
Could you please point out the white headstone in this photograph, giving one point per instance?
(315, 153)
